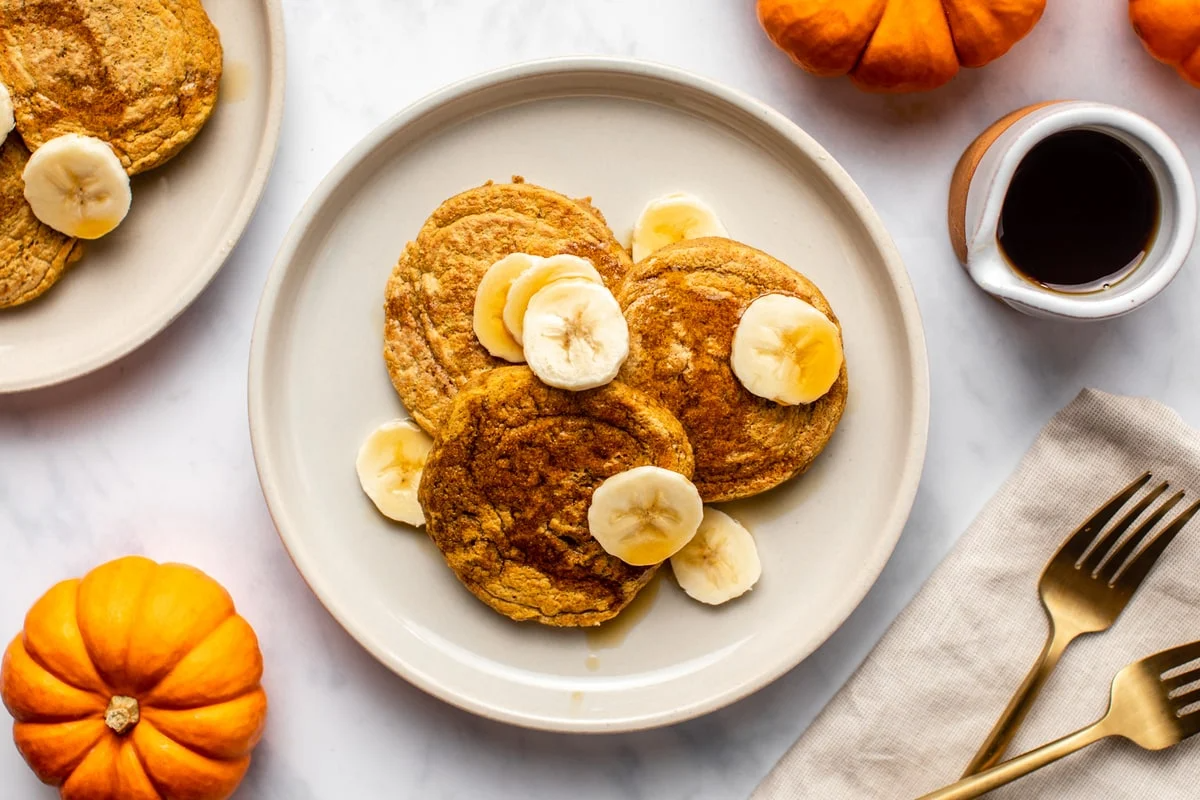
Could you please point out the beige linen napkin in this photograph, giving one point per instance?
(911, 718)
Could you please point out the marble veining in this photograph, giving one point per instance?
(152, 455)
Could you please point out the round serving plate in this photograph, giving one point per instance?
(185, 220)
(621, 132)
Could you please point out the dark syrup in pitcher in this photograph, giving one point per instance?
(1081, 212)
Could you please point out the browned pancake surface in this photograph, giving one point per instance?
(683, 304)
(507, 487)
(141, 75)
(33, 256)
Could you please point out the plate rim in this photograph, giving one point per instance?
(264, 161)
(260, 418)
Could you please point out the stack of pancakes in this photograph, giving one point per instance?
(142, 77)
(514, 464)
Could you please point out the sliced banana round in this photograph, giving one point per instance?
(389, 467)
(645, 515)
(720, 562)
(785, 350)
(490, 298)
(7, 120)
(672, 219)
(76, 185)
(538, 277)
(576, 337)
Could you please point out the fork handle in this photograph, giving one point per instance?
(1020, 766)
(1005, 729)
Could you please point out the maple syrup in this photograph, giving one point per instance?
(1081, 212)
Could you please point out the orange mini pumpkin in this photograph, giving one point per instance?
(897, 45)
(1170, 30)
(138, 682)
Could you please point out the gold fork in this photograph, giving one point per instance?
(1082, 592)
(1149, 706)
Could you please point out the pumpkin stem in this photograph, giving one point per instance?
(122, 714)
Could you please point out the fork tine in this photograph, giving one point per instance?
(1186, 699)
(1136, 571)
(1171, 684)
(1189, 724)
(1114, 534)
(1077, 545)
(1174, 658)
(1135, 539)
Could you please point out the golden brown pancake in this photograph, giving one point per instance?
(33, 256)
(683, 304)
(140, 74)
(507, 487)
(430, 344)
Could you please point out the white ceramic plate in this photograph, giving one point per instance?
(186, 218)
(622, 132)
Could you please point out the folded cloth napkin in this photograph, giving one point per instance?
(913, 715)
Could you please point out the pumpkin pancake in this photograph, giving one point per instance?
(430, 344)
(33, 256)
(141, 75)
(683, 304)
(507, 487)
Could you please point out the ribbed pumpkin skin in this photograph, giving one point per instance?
(897, 45)
(162, 638)
(1170, 30)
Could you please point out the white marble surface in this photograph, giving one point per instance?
(153, 456)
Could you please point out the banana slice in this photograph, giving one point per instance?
(7, 120)
(575, 335)
(785, 350)
(490, 298)
(720, 562)
(389, 469)
(538, 277)
(76, 185)
(645, 515)
(672, 219)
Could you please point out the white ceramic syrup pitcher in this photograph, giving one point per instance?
(982, 179)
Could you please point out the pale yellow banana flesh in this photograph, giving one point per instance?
(389, 467)
(576, 336)
(673, 218)
(490, 298)
(7, 120)
(721, 561)
(645, 515)
(540, 275)
(76, 185)
(786, 350)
